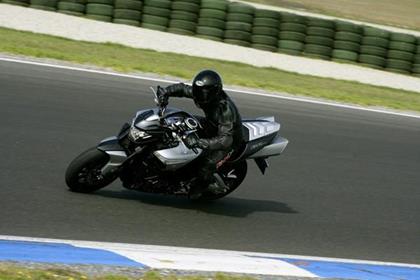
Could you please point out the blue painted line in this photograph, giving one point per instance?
(61, 253)
(331, 269)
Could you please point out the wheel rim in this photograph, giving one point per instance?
(230, 177)
(90, 176)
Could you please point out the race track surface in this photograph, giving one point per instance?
(347, 186)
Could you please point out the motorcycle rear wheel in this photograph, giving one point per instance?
(84, 175)
(232, 175)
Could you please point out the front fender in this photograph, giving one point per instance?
(117, 154)
(110, 144)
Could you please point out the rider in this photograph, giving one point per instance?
(222, 126)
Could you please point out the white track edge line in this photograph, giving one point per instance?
(299, 99)
(175, 248)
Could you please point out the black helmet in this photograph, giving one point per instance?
(207, 87)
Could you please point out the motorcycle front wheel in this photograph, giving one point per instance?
(84, 174)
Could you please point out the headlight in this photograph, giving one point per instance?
(136, 134)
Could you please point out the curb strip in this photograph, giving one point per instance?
(14, 248)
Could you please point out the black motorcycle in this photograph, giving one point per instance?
(149, 155)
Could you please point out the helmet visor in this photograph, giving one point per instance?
(205, 94)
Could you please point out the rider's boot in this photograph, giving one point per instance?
(214, 184)
(218, 186)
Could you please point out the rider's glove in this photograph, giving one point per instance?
(191, 141)
(162, 96)
(203, 144)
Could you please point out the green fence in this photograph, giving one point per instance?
(244, 25)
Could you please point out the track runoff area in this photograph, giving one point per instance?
(14, 248)
(299, 99)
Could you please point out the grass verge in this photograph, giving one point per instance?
(126, 59)
(402, 13)
(16, 272)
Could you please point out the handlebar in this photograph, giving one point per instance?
(161, 112)
(162, 107)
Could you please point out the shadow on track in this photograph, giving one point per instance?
(229, 206)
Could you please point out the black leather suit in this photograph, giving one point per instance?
(223, 129)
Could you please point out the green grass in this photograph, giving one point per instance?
(402, 13)
(18, 272)
(127, 59)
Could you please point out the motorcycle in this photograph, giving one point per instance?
(149, 155)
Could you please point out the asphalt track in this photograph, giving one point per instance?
(347, 186)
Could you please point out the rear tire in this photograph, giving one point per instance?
(232, 175)
(84, 173)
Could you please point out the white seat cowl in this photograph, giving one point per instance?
(258, 129)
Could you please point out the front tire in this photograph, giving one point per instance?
(84, 173)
